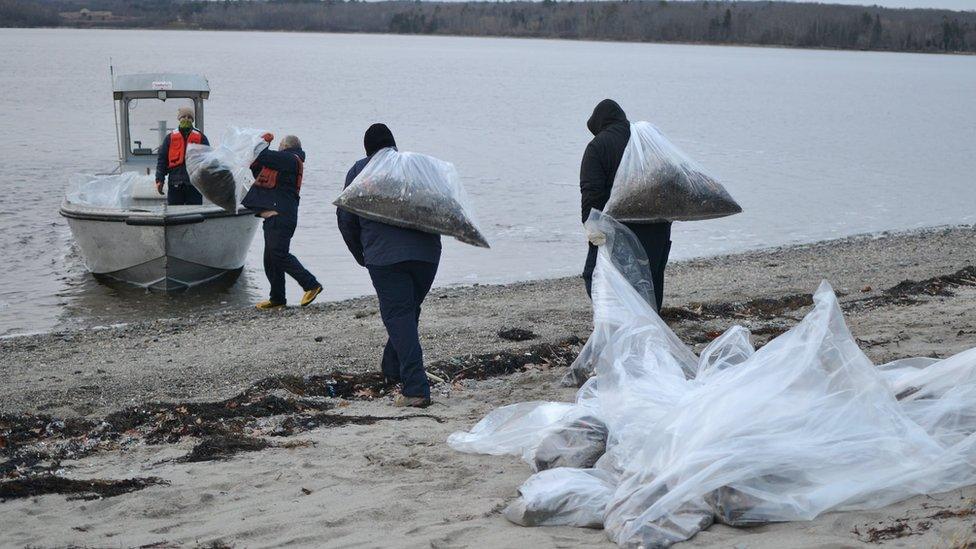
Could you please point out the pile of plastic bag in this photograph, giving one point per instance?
(106, 191)
(415, 191)
(222, 174)
(660, 443)
(656, 181)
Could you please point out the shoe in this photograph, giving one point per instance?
(404, 401)
(269, 305)
(311, 295)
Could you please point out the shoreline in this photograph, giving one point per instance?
(200, 355)
(350, 301)
(250, 429)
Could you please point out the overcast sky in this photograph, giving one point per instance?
(945, 4)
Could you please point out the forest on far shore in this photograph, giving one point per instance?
(768, 23)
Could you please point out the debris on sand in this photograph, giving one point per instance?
(280, 406)
(296, 424)
(903, 293)
(901, 528)
(908, 526)
(80, 489)
(276, 406)
(559, 354)
(517, 334)
(223, 446)
(936, 286)
(763, 308)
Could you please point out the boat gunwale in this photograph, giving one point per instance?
(147, 218)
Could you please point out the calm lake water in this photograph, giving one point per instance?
(813, 144)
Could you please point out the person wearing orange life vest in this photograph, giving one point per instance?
(274, 196)
(171, 161)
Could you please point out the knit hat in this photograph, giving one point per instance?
(185, 111)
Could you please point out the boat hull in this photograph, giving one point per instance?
(168, 250)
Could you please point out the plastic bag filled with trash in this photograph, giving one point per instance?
(657, 181)
(804, 425)
(415, 191)
(106, 191)
(222, 174)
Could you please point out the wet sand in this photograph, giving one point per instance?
(340, 472)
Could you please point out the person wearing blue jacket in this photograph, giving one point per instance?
(275, 195)
(402, 264)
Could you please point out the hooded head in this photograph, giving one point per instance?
(377, 137)
(607, 112)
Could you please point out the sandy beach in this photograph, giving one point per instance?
(250, 429)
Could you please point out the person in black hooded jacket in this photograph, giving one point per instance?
(611, 132)
(402, 264)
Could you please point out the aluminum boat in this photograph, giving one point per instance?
(141, 240)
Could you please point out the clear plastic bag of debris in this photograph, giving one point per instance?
(415, 191)
(515, 430)
(657, 181)
(802, 426)
(222, 174)
(562, 497)
(577, 441)
(628, 257)
(106, 191)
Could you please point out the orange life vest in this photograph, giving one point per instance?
(177, 146)
(268, 178)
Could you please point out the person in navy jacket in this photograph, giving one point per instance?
(274, 195)
(402, 264)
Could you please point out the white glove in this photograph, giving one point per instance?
(597, 238)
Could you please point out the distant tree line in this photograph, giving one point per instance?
(705, 21)
(19, 13)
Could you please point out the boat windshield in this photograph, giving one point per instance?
(149, 122)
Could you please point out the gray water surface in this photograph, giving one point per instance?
(813, 144)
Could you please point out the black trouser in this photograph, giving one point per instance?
(184, 193)
(656, 240)
(401, 289)
(278, 230)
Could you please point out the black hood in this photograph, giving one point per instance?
(377, 137)
(607, 112)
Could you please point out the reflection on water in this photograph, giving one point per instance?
(88, 300)
(103, 300)
(812, 144)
